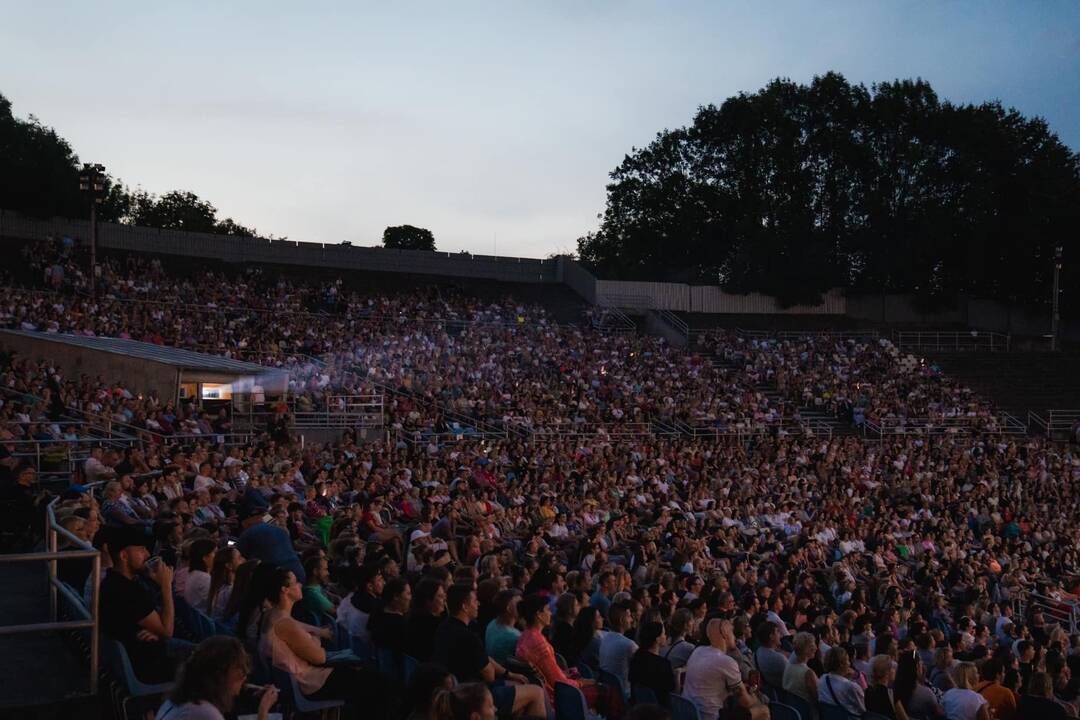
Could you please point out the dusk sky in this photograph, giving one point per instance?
(327, 122)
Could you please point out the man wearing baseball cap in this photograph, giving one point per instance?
(128, 613)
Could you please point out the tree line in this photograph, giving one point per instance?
(796, 189)
(39, 176)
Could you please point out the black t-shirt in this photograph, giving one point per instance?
(879, 700)
(1039, 708)
(420, 635)
(460, 651)
(388, 630)
(652, 671)
(124, 603)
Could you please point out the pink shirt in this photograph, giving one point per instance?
(533, 648)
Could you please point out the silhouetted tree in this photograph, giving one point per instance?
(796, 189)
(407, 237)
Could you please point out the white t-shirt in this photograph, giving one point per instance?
(203, 482)
(188, 711)
(961, 704)
(711, 675)
(836, 690)
(222, 599)
(197, 590)
(616, 651)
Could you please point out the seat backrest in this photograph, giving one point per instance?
(608, 678)
(683, 708)
(643, 695)
(780, 711)
(585, 671)
(806, 710)
(408, 667)
(570, 703)
(828, 711)
(361, 648)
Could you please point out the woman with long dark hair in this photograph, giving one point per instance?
(586, 640)
(291, 646)
(209, 682)
(241, 584)
(222, 576)
(910, 688)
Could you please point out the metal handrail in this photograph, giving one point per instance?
(1054, 421)
(1000, 423)
(91, 614)
(956, 340)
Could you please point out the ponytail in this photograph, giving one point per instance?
(459, 703)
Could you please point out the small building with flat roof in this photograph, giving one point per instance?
(172, 373)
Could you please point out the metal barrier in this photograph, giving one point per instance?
(91, 615)
(799, 334)
(952, 341)
(1001, 423)
(1054, 421)
(1065, 612)
(675, 322)
(811, 428)
(612, 320)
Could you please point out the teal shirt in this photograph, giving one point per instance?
(500, 641)
(316, 601)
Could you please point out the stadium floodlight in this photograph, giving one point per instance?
(92, 182)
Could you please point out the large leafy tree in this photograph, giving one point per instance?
(407, 237)
(39, 176)
(796, 189)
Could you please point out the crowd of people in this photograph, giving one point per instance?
(917, 576)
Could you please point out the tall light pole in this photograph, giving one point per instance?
(92, 182)
(1055, 316)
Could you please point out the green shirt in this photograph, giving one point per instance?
(315, 600)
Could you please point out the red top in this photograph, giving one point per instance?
(533, 648)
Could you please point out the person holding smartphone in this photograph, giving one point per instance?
(209, 683)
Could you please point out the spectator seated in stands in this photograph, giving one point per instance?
(196, 591)
(534, 649)
(649, 668)
(461, 651)
(712, 676)
(210, 681)
(266, 542)
(388, 624)
(294, 648)
(128, 610)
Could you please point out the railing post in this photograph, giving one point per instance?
(50, 545)
(95, 631)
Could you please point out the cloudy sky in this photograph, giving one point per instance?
(494, 124)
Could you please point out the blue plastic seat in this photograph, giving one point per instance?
(408, 667)
(362, 648)
(780, 711)
(115, 658)
(570, 703)
(683, 708)
(607, 678)
(643, 695)
(286, 683)
(828, 711)
(806, 710)
(388, 662)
